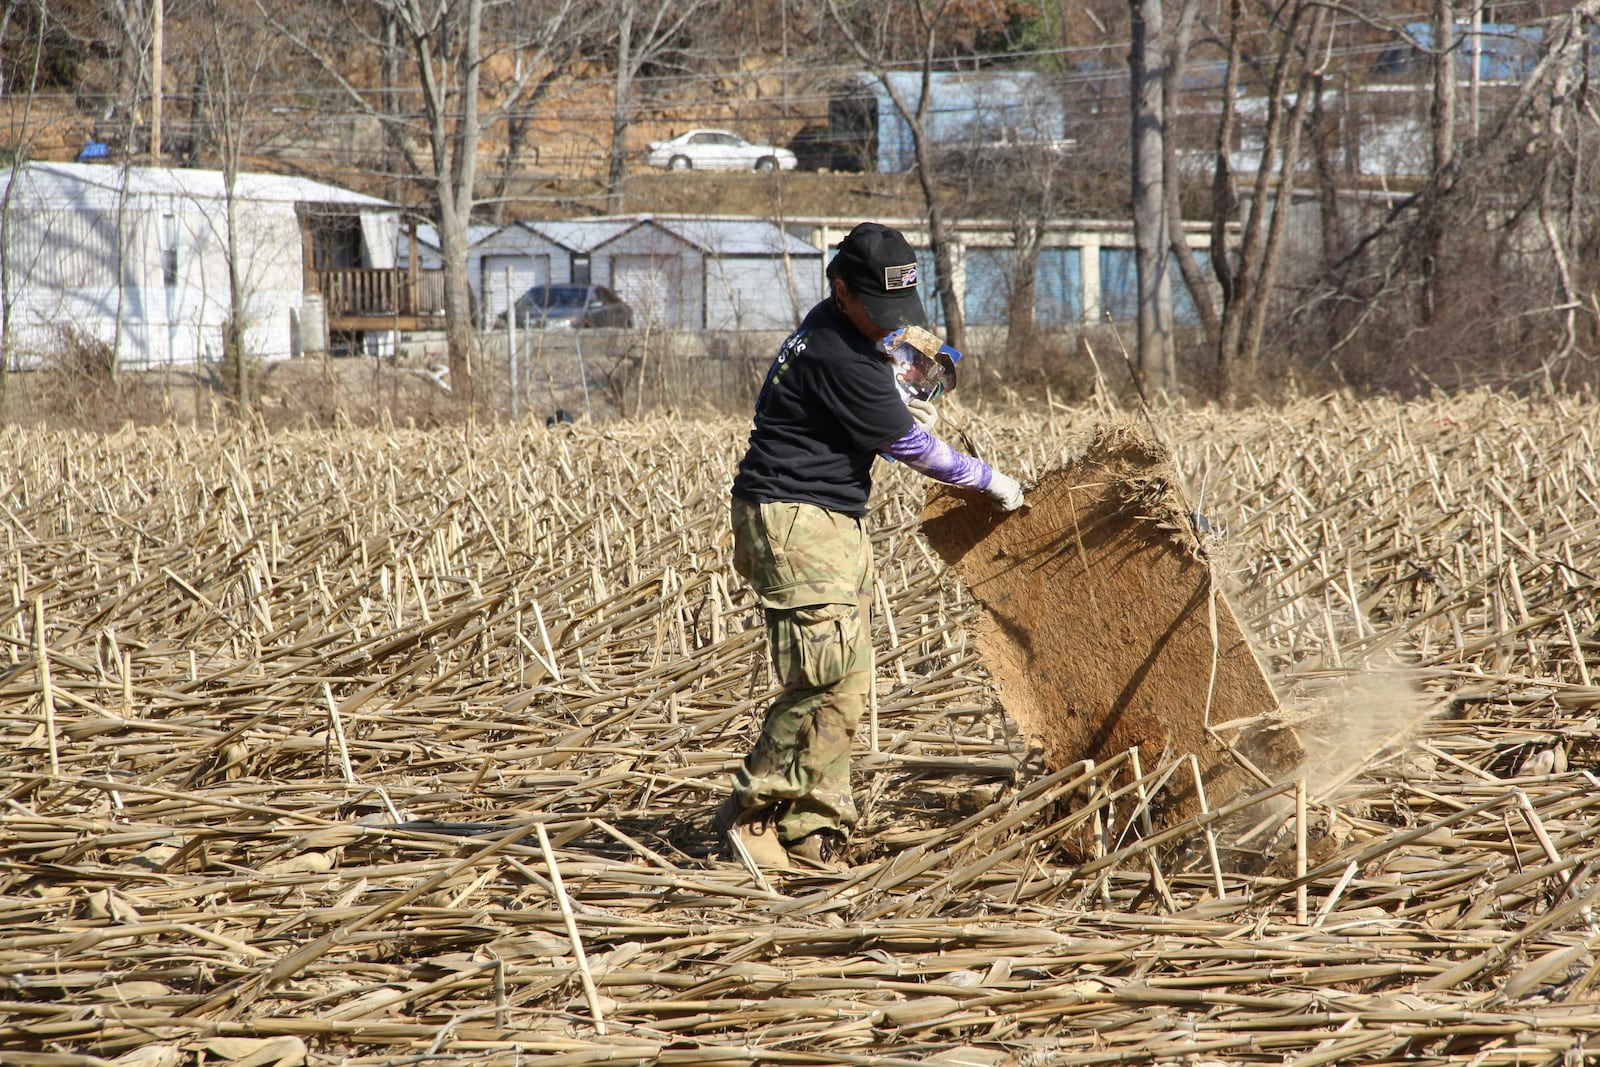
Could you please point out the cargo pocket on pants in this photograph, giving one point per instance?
(814, 646)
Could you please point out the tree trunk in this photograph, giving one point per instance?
(455, 140)
(1284, 126)
(1193, 277)
(1247, 276)
(23, 143)
(621, 104)
(518, 124)
(446, 44)
(955, 325)
(233, 342)
(457, 298)
(1023, 280)
(1156, 366)
(1443, 116)
(1224, 203)
(1324, 129)
(390, 58)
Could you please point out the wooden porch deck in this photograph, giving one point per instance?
(367, 298)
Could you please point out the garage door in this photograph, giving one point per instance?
(653, 286)
(525, 272)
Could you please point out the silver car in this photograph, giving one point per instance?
(717, 150)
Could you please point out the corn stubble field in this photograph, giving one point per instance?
(399, 747)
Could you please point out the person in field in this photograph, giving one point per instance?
(856, 380)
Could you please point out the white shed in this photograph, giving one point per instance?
(536, 253)
(428, 256)
(138, 257)
(712, 274)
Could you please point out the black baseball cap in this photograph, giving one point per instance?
(877, 262)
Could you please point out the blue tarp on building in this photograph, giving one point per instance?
(1506, 52)
(966, 108)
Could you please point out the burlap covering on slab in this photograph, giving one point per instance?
(1096, 619)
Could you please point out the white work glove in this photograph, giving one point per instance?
(924, 414)
(1005, 491)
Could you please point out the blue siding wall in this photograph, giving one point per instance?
(928, 285)
(1058, 287)
(1119, 286)
(1057, 294)
(988, 286)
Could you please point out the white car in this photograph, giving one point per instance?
(717, 150)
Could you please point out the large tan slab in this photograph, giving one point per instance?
(1097, 614)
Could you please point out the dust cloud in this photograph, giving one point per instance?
(1350, 722)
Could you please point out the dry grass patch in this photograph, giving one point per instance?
(397, 747)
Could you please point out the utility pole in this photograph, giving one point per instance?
(157, 18)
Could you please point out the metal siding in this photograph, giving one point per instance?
(726, 297)
(1119, 284)
(1184, 311)
(88, 280)
(964, 108)
(526, 272)
(692, 312)
(988, 286)
(1058, 287)
(62, 249)
(1506, 52)
(651, 283)
(809, 286)
(1057, 291)
(928, 286)
(753, 292)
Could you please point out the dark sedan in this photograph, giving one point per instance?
(559, 306)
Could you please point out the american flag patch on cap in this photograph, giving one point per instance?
(903, 276)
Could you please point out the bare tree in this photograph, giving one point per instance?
(1567, 193)
(233, 59)
(13, 41)
(646, 33)
(447, 46)
(1026, 183)
(1171, 96)
(877, 43)
(1246, 272)
(126, 30)
(1148, 57)
(519, 119)
(1484, 274)
(1443, 124)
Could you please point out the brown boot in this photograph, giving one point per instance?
(820, 848)
(751, 832)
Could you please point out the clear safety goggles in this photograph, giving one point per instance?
(924, 366)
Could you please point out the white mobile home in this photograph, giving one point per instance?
(138, 258)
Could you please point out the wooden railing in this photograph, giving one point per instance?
(374, 293)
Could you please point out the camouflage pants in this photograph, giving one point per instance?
(811, 570)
